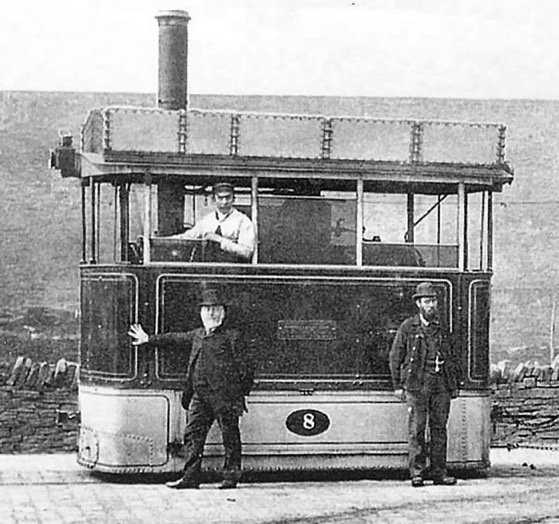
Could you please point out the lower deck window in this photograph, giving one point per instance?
(298, 331)
(107, 309)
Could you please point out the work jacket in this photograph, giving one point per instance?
(225, 367)
(408, 356)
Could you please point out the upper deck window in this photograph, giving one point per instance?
(307, 230)
(410, 230)
(367, 227)
(408, 184)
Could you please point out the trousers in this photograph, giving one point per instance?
(201, 416)
(430, 404)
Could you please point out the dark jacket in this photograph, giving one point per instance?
(227, 364)
(408, 355)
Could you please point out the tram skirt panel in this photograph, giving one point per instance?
(326, 431)
(469, 431)
(124, 431)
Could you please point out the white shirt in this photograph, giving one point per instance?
(236, 228)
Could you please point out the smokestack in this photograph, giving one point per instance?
(172, 93)
(173, 59)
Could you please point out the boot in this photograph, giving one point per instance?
(417, 482)
(230, 479)
(184, 482)
(444, 480)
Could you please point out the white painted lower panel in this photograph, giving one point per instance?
(129, 431)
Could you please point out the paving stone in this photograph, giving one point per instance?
(44, 489)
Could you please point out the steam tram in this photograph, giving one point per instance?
(351, 213)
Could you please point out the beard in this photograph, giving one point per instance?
(212, 321)
(428, 314)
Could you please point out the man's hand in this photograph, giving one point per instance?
(400, 394)
(214, 237)
(138, 334)
(239, 407)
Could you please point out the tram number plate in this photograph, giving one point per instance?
(307, 422)
(307, 330)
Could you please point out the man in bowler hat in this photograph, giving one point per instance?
(226, 227)
(424, 375)
(218, 378)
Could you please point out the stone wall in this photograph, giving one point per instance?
(39, 410)
(529, 372)
(525, 406)
(38, 421)
(525, 413)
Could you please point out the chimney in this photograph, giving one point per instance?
(173, 59)
(172, 95)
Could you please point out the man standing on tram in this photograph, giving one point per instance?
(218, 378)
(424, 375)
(230, 229)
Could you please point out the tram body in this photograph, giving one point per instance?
(351, 214)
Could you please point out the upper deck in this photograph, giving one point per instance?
(387, 155)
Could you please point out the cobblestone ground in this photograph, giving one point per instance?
(522, 488)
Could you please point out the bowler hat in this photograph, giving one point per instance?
(425, 289)
(210, 297)
(223, 187)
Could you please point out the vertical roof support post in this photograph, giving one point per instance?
(359, 222)
(254, 213)
(439, 201)
(147, 217)
(466, 229)
(410, 236)
(482, 264)
(124, 205)
(84, 220)
(98, 223)
(93, 223)
(489, 230)
(461, 226)
(116, 206)
(415, 158)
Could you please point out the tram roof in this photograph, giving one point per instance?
(285, 150)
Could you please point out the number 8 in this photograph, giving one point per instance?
(308, 421)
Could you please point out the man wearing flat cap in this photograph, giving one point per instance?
(424, 375)
(232, 231)
(218, 378)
